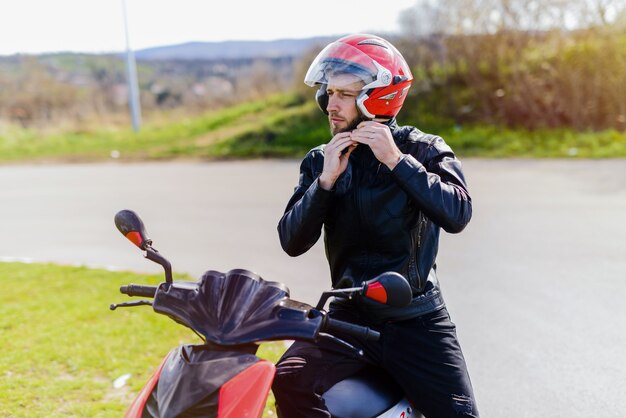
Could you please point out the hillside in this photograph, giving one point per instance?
(233, 50)
(78, 89)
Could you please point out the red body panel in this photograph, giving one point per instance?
(244, 395)
(136, 408)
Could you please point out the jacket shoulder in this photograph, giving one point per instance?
(314, 158)
(414, 136)
(317, 151)
(421, 145)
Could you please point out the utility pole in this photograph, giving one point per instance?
(131, 79)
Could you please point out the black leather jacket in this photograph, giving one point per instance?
(377, 220)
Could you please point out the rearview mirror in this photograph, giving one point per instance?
(389, 288)
(131, 226)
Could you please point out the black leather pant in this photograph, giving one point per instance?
(421, 354)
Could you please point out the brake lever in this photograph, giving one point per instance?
(114, 306)
(343, 343)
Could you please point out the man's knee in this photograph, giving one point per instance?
(290, 374)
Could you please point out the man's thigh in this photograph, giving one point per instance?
(425, 358)
(317, 367)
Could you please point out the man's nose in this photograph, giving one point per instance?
(333, 104)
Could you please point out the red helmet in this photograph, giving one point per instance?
(385, 74)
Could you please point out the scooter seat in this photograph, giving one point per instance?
(368, 393)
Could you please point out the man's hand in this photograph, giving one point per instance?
(378, 137)
(335, 162)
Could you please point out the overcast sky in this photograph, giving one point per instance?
(34, 26)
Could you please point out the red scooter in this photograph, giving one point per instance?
(233, 312)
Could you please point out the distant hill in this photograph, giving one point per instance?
(43, 88)
(233, 49)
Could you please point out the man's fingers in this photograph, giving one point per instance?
(369, 124)
(371, 128)
(362, 137)
(340, 144)
(339, 137)
(368, 132)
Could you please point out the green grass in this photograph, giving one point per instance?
(288, 126)
(292, 135)
(189, 137)
(62, 347)
(496, 142)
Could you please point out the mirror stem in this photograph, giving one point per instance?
(346, 293)
(153, 255)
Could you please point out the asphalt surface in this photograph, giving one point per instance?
(536, 283)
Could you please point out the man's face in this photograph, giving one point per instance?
(343, 115)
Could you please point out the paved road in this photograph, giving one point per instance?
(536, 283)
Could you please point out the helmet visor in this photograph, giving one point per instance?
(339, 58)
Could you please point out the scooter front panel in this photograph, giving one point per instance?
(245, 394)
(189, 382)
(136, 408)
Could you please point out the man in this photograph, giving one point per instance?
(381, 193)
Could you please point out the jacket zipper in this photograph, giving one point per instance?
(413, 270)
(358, 205)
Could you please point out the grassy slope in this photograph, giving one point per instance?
(62, 347)
(193, 137)
(286, 126)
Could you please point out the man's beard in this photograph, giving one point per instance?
(351, 126)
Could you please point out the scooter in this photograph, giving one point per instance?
(233, 312)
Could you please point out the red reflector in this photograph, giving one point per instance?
(245, 394)
(135, 238)
(377, 292)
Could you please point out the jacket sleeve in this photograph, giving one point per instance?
(437, 186)
(301, 224)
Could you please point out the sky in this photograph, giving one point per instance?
(36, 26)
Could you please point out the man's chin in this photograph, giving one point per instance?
(341, 127)
(336, 129)
(344, 126)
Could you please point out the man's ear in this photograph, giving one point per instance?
(321, 97)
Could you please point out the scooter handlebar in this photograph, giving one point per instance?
(358, 331)
(139, 290)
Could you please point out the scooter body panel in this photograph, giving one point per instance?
(245, 394)
(190, 380)
(136, 408)
(402, 409)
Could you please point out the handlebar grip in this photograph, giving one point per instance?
(358, 331)
(139, 290)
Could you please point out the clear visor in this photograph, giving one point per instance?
(338, 59)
